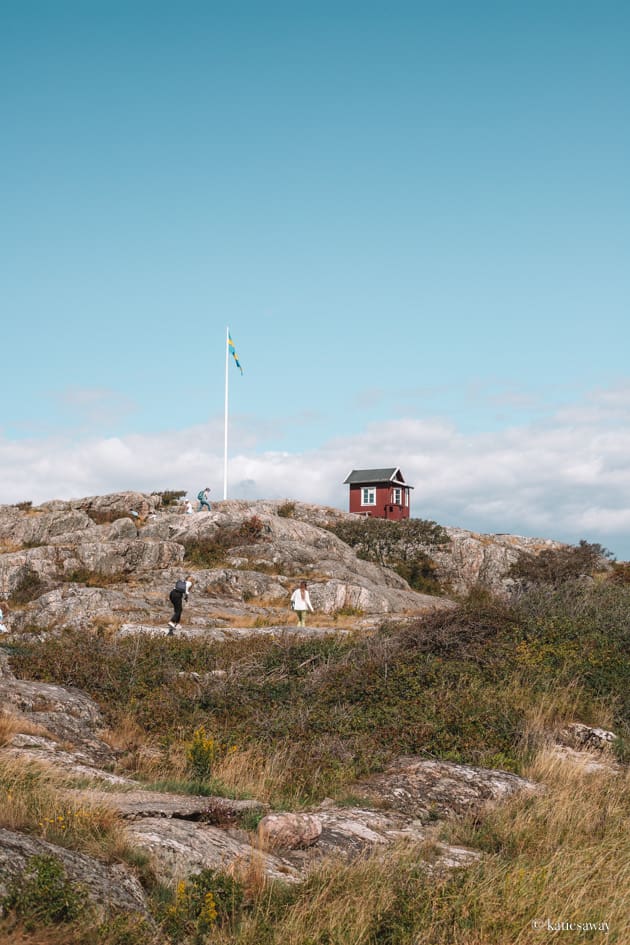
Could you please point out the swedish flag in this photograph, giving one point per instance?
(233, 351)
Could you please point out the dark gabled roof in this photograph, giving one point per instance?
(373, 476)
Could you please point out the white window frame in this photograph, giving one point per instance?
(368, 495)
(397, 495)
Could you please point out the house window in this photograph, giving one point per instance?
(397, 496)
(368, 495)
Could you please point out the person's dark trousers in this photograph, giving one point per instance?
(176, 598)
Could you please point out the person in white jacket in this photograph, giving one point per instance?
(301, 602)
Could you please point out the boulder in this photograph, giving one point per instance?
(75, 606)
(68, 714)
(180, 848)
(40, 528)
(289, 831)
(140, 804)
(56, 563)
(331, 596)
(426, 789)
(584, 737)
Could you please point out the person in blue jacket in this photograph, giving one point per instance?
(203, 499)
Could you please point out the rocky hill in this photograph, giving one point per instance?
(111, 561)
(101, 568)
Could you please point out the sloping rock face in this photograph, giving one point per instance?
(109, 889)
(472, 560)
(75, 564)
(180, 848)
(130, 534)
(68, 715)
(425, 789)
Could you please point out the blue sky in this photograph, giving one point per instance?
(414, 218)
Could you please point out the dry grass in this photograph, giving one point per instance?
(552, 709)
(562, 855)
(34, 798)
(12, 723)
(340, 904)
(254, 773)
(137, 752)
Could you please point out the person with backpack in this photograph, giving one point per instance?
(178, 595)
(203, 498)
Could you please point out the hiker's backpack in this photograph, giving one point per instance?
(201, 495)
(180, 586)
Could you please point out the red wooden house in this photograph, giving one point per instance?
(380, 493)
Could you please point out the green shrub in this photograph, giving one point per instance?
(44, 895)
(23, 506)
(171, 497)
(404, 546)
(619, 573)
(347, 611)
(286, 510)
(107, 516)
(29, 587)
(211, 552)
(201, 754)
(95, 578)
(121, 929)
(557, 566)
(208, 899)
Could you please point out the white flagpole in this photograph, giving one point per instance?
(225, 443)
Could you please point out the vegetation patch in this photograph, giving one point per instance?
(404, 546)
(558, 566)
(286, 510)
(35, 799)
(212, 552)
(206, 902)
(171, 497)
(29, 587)
(459, 685)
(44, 895)
(107, 516)
(96, 578)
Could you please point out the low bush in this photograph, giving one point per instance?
(171, 497)
(619, 573)
(44, 895)
(557, 566)
(201, 754)
(206, 901)
(211, 552)
(404, 546)
(107, 516)
(30, 586)
(95, 578)
(286, 510)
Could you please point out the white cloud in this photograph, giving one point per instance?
(565, 477)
